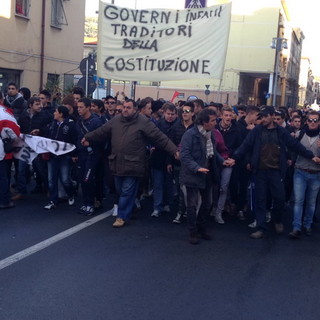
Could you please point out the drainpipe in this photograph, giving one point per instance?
(43, 21)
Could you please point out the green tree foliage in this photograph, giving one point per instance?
(91, 27)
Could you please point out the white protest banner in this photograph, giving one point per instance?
(30, 146)
(159, 44)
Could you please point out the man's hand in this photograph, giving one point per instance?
(84, 142)
(229, 162)
(169, 168)
(74, 159)
(203, 170)
(35, 132)
(289, 163)
(250, 126)
(316, 159)
(177, 155)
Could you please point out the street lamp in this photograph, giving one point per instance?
(278, 44)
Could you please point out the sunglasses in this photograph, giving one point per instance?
(118, 111)
(313, 120)
(107, 102)
(186, 111)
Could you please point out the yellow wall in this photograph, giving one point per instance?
(20, 45)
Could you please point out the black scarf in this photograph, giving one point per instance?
(312, 133)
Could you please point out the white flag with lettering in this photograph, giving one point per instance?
(159, 44)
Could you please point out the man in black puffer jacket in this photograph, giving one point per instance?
(59, 167)
(34, 121)
(162, 176)
(15, 100)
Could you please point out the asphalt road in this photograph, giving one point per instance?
(148, 270)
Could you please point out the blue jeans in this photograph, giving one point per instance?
(224, 186)
(306, 187)
(59, 168)
(127, 188)
(162, 189)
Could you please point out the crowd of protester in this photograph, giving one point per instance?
(193, 159)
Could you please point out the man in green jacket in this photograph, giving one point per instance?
(129, 134)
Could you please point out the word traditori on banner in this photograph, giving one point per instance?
(161, 44)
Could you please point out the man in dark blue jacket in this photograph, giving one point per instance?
(34, 121)
(268, 145)
(87, 156)
(162, 177)
(198, 171)
(63, 129)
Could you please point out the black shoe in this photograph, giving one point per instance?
(7, 206)
(308, 232)
(193, 239)
(202, 231)
(82, 210)
(295, 234)
(205, 236)
(37, 190)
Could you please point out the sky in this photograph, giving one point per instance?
(305, 14)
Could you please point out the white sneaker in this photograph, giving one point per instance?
(137, 203)
(89, 211)
(166, 209)
(115, 210)
(253, 224)
(218, 218)
(155, 214)
(241, 215)
(178, 219)
(213, 211)
(71, 201)
(50, 206)
(268, 217)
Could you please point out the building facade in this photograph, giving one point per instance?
(307, 86)
(41, 42)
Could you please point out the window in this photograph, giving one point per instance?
(22, 7)
(58, 16)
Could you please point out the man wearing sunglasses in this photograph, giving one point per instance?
(306, 179)
(178, 129)
(267, 144)
(110, 106)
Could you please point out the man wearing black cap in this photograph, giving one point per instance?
(267, 144)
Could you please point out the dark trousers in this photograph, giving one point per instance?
(289, 182)
(269, 180)
(197, 219)
(239, 186)
(99, 174)
(181, 195)
(40, 166)
(5, 171)
(86, 166)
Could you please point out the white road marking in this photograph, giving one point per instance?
(48, 242)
